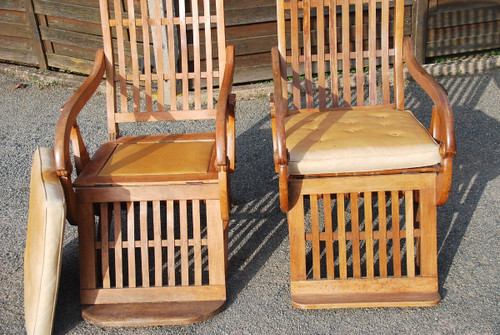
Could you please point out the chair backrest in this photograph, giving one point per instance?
(341, 37)
(187, 40)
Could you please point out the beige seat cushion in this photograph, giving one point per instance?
(159, 158)
(44, 242)
(357, 141)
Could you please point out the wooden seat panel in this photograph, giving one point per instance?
(152, 159)
(158, 159)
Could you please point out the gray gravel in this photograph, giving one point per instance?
(258, 298)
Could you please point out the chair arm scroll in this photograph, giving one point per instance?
(67, 129)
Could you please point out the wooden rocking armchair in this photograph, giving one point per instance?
(152, 210)
(359, 176)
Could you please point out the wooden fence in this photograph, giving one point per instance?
(64, 34)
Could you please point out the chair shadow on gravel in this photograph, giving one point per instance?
(477, 161)
(257, 226)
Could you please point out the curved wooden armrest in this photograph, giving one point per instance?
(280, 111)
(439, 98)
(278, 123)
(224, 111)
(224, 134)
(69, 112)
(442, 124)
(67, 128)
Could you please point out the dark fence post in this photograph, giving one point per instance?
(35, 34)
(419, 28)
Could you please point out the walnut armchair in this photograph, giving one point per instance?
(152, 210)
(359, 176)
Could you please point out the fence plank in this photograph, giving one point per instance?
(35, 34)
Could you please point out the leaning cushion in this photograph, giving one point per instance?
(44, 242)
(159, 158)
(357, 141)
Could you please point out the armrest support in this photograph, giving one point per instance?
(439, 97)
(69, 112)
(224, 111)
(67, 128)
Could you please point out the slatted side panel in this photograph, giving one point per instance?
(345, 42)
(168, 78)
(152, 244)
(361, 235)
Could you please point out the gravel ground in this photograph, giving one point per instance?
(258, 298)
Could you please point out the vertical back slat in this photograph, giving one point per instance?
(157, 243)
(330, 260)
(410, 251)
(170, 243)
(134, 54)
(386, 94)
(196, 55)
(197, 242)
(396, 249)
(118, 244)
(320, 27)
(221, 37)
(105, 246)
(184, 242)
(342, 237)
(131, 244)
(372, 49)
(143, 221)
(359, 53)
(121, 56)
(382, 242)
(356, 258)
(369, 235)
(282, 44)
(184, 55)
(333, 53)
(294, 16)
(398, 55)
(208, 53)
(159, 55)
(306, 33)
(147, 55)
(171, 55)
(346, 62)
(315, 236)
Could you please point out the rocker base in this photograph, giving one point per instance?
(151, 314)
(349, 300)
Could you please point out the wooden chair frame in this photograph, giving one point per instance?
(422, 188)
(113, 296)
